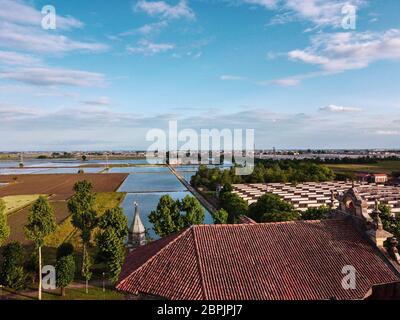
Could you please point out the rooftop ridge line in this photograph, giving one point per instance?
(155, 255)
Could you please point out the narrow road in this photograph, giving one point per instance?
(197, 194)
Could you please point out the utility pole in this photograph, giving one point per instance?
(21, 160)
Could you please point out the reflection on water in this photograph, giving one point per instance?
(74, 163)
(38, 170)
(147, 203)
(20, 171)
(139, 170)
(151, 182)
(187, 175)
(70, 170)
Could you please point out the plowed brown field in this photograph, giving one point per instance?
(59, 186)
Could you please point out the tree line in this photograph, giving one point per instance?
(264, 172)
(112, 230)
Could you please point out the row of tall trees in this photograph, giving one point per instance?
(112, 230)
(264, 172)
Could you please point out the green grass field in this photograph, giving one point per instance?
(95, 293)
(66, 231)
(379, 167)
(75, 291)
(15, 203)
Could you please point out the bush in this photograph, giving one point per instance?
(65, 272)
(12, 271)
(316, 213)
(271, 208)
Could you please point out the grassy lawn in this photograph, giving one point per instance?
(95, 293)
(66, 231)
(76, 291)
(15, 203)
(379, 167)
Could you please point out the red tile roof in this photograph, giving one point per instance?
(278, 261)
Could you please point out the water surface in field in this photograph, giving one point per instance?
(187, 175)
(76, 163)
(148, 202)
(151, 182)
(7, 171)
(69, 170)
(139, 170)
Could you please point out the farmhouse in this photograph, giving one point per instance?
(372, 177)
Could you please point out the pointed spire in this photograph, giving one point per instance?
(137, 225)
(137, 231)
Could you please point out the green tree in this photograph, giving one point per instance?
(111, 252)
(166, 219)
(316, 213)
(12, 272)
(84, 217)
(220, 216)
(271, 208)
(87, 271)
(4, 228)
(390, 223)
(234, 205)
(65, 272)
(194, 211)
(116, 219)
(41, 223)
(174, 215)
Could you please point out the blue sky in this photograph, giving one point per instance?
(112, 70)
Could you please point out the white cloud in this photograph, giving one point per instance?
(20, 29)
(388, 132)
(45, 76)
(165, 10)
(320, 13)
(17, 113)
(25, 126)
(16, 11)
(338, 109)
(287, 82)
(339, 52)
(270, 4)
(101, 101)
(147, 29)
(36, 40)
(150, 48)
(228, 77)
(15, 58)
